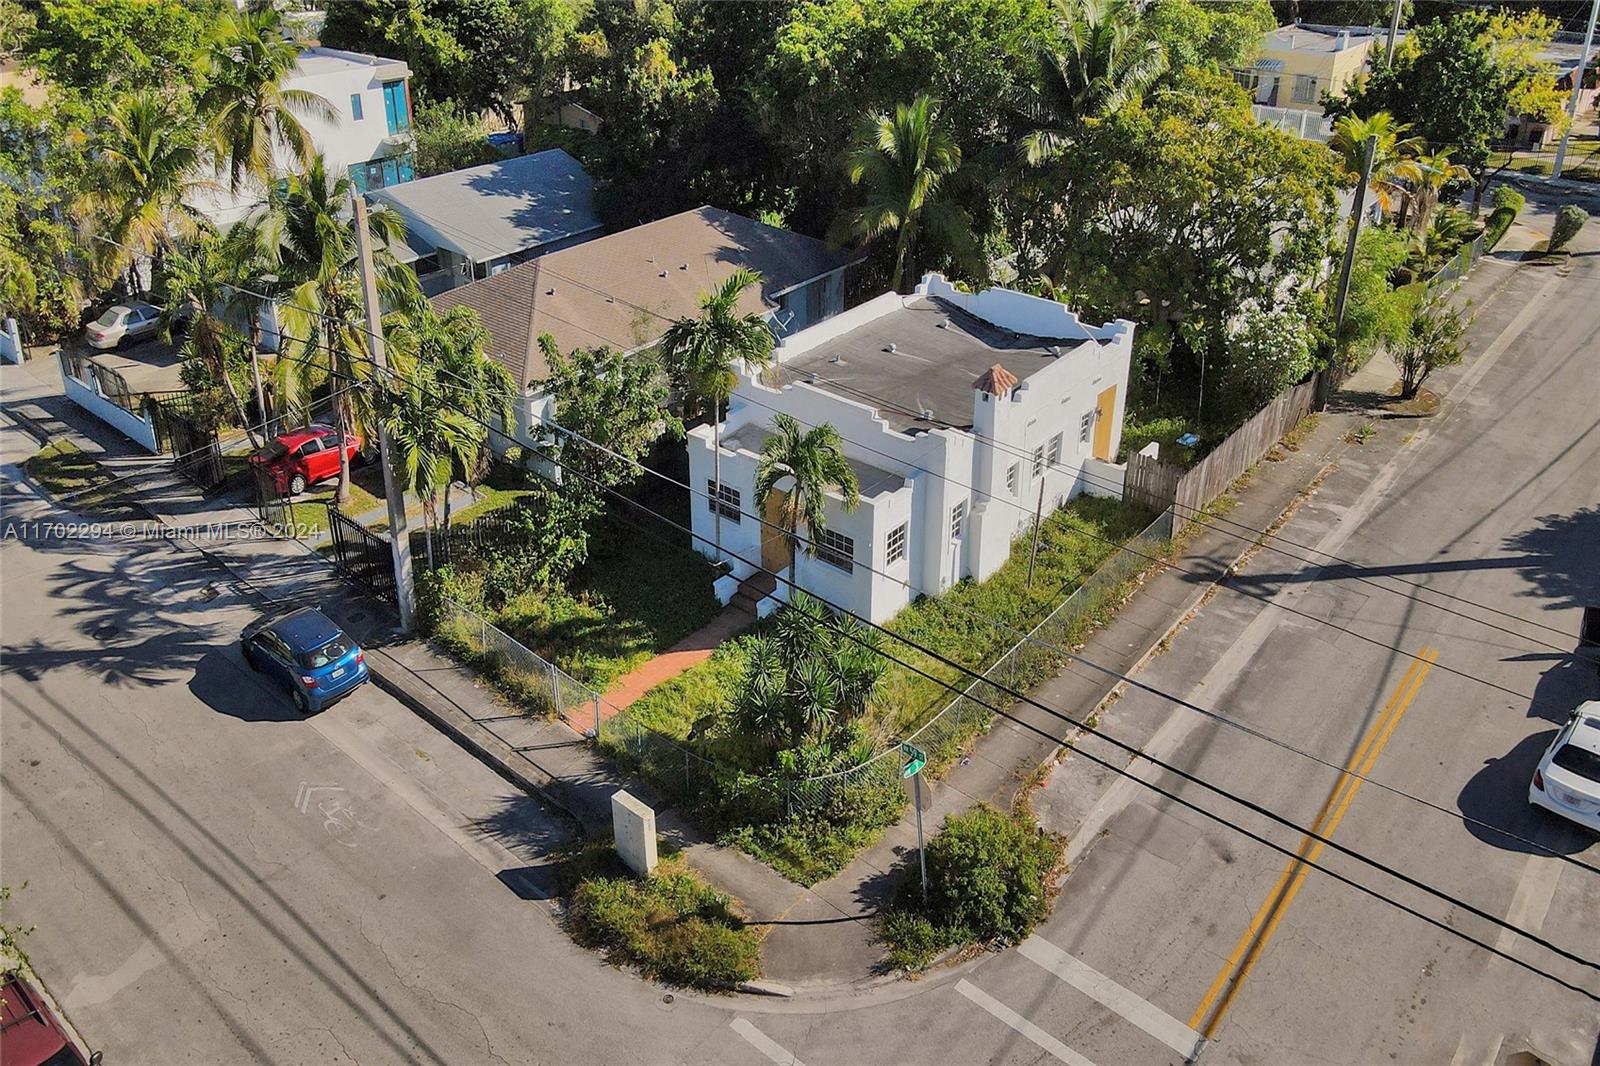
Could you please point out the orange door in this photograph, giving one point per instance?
(776, 554)
(1104, 409)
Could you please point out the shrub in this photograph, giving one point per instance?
(1569, 220)
(990, 877)
(1506, 196)
(672, 925)
(1166, 431)
(1506, 203)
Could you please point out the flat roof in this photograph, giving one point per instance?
(318, 60)
(1308, 38)
(872, 480)
(498, 208)
(939, 351)
(624, 289)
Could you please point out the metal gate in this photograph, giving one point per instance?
(361, 554)
(272, 502)
(183, 429)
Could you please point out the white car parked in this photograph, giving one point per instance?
(1567, 781)
(123, 324)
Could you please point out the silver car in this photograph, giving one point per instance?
(123, 324)
(1567, 781)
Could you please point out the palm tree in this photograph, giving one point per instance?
(312, 247)
(145, 169)
(251, 278)
(1106, 62)
(428, 437)
(902, 161)
(700, 355)
(246, 109)
(469, 382)
(813, 461)
(195, 275)
(1425, 177)
(1390, 152)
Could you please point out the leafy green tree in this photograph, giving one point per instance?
(1426, 176)
(617, 401)
(309, 239)
(98, 49)
(450, 139)
(246, 109)
(1105, 60)
(428, 436)
(40, 264)
(701, 355)
(1435, 340)
(146, 168)
(811, 463)
(1391, 151)
(1268, 351)
(902, 162)
(1219, 36)
(1376, 314)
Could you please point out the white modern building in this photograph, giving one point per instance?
(368, 137)
(959, 411)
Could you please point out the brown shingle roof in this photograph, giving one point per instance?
(624, 289)
(996, 381)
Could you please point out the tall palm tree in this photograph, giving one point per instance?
(1425, 177)
(312, 245)
(245, 107)
(196, 285)
(1391, 150)
(251, 277)
(813, 462)
(428, 437)
(469, 381)
(701, 353)
(902, 161)
(145, 169)
(1105, 62)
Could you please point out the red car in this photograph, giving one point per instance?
(29, 1033)
(305, 456)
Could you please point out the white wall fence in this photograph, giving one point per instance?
(11, 342)
(95, 389)
(1311, 125)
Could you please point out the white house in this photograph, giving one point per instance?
(959, 412)
(367, 138)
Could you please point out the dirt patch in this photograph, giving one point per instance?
(1423, 405)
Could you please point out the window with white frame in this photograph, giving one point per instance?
(1013, 475)
(836, 549)
(1053, 457)
(1038, 460)
(897, 543)
(958, 519)
(1086, 426)
(723, 499)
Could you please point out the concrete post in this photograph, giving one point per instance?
(633, 824)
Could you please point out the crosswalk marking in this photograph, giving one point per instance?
(1021, 1024)
(1097, 986)
(763, 1043)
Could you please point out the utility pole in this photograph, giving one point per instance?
(1038, 514)
(399, 538)
(1368, 151)
(1577, 88)
(1394, 33)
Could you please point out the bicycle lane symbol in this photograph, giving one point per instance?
(340, 819)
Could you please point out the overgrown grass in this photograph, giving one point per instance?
(672, 925)
(62, 469)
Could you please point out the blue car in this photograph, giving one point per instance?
(305, 653)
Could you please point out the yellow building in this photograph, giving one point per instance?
(1300, 62)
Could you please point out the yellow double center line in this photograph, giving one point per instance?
(1207, 1017)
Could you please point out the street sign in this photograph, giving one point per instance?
(915, 760)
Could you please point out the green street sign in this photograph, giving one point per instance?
(916, 759)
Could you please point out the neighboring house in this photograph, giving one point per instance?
(960, 413)
(469, 224)
(1565, 54)
(625, 289)
(369, 137)
(1297, 63)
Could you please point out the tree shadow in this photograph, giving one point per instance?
(1497, 796)
(1558, 559)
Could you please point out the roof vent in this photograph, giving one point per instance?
(611, 299)
(1055, 349)
(550, 292)
(927, 414)
(836, 359)
(683, 266)
(662, 274)
(891, 348)
(943, 323)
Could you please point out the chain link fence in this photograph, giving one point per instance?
(700, 782)
(538, 686)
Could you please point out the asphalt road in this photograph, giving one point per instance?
(215, 880)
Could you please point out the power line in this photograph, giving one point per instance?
(1184, 775)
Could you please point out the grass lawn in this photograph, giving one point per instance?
(63, 468)
(309, 510)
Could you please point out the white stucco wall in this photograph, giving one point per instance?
(342, 140)
(940, 468)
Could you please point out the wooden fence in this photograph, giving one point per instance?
(1157, 485)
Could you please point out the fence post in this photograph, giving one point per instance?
(597, 716)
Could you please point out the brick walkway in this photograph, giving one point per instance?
(692, 650)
